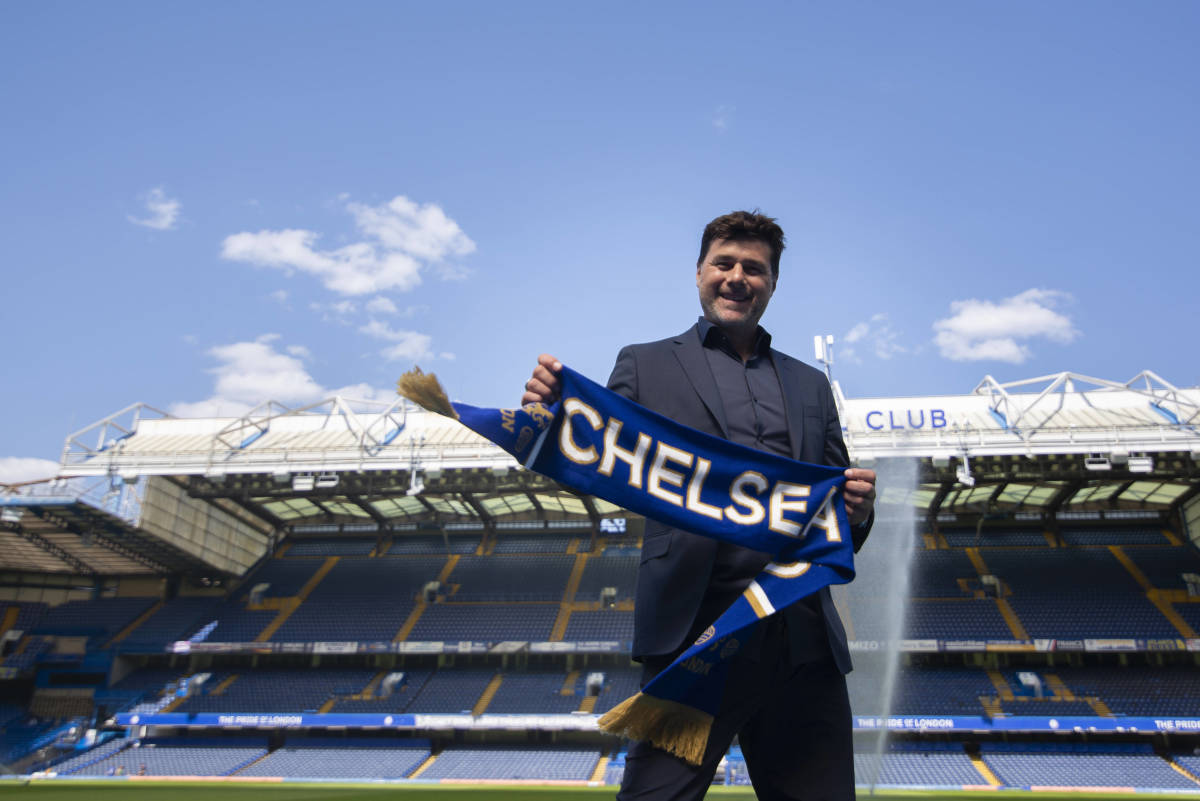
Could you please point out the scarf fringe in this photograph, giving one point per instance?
(674, 727)
(426, 391)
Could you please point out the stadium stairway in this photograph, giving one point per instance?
(1061, 692)
(1006, 611)
(288, 606)
(424, 766)
(1001, 684)
(250, 764)
(988, 777)
(10, 619)
(564, 610)
(419, 609)
(1160, 598)
(135, 623)
(489, 693)
(1181, 770)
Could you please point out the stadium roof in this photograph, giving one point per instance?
(1033, 449)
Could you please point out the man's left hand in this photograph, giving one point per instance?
(859, 494)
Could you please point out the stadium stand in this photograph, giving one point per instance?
(359, 761)
(452, 622)
(175, 620)
(269, 690)
(508, 763)
(600, 624)
(173, 758)
(940, 765)
(1082, 765)
(427, 545)
(509, 579)
(530, 544)
(1149, 690)
(609, 569)
(101, 618)
(452, 691)
(540, 692)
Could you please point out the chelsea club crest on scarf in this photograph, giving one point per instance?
(605, 445)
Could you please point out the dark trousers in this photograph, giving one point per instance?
(793, 724)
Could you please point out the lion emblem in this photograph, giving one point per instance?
(540, 414)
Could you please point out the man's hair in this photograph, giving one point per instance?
(741, 225)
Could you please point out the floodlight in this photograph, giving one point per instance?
(500, 471)
(1097, 463)
(1120, 456)
(11, 514)
(963, 474)
(281, 476)
(326, 481)
(303, 482)
(941, 461)
(1141, 464)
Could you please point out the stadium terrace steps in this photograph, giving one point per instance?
(559, 629)
(489, 693)
(301, 596)
(9, 620)
(138, 621)
(424, 766)
(988, 777)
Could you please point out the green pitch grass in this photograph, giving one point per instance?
(207, 791)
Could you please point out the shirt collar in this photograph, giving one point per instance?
(712, 337)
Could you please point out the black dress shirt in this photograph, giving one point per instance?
(756, 416)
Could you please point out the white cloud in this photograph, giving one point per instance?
(721, 117)
(17, 469)
(380, 305)
(401, 238)
(406, 345)
(162, 212)
(280, 296)
(249, 373)
(423, 232)
(979, 330)
(875, 335)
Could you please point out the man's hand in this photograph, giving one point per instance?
(542, 387)
(859, 494)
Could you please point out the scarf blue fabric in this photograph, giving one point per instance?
(605, 445)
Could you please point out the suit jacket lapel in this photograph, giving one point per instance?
(792, 400)
(690, 353)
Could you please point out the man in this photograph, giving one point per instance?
(785, 697)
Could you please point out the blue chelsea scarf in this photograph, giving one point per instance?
(605, 445)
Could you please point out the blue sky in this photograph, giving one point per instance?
(208, 205)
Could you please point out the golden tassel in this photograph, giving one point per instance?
(426, 391)
(678, 728)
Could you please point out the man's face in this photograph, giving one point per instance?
(735, 282)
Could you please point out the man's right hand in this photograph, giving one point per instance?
(542, 386)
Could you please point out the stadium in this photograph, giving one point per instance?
(354, 592)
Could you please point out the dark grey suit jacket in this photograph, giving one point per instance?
(672, 377)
